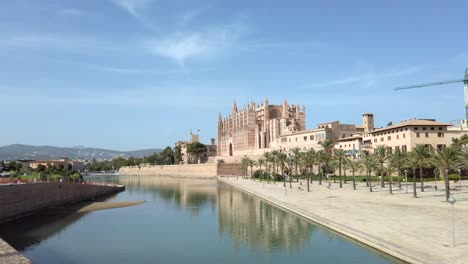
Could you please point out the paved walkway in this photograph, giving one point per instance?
(415, 230)
(9, 255)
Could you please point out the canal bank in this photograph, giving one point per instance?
(413, 230)
(8, 255)
(20, 200)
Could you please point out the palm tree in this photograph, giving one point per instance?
(353, 166)
(339, 155)
(345, 166)
(327, 146)
(368, 162)
(290, 162)
(446, 159)
(320, 158)
(308, 160)
(389, 170)
(261, 162)
(297, 158)
(412, 162)
(398, 158)
(381, 153)
(244, 166)
(281, 161)
(274, 159)
(267, 156)
(252, 163)
(421, 153)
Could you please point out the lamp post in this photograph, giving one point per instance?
(406, 180)
(452, 201)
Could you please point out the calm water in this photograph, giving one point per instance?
(182, 221)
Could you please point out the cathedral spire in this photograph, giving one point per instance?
(220, 119)
(234, 106)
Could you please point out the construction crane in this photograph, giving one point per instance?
(422, 85)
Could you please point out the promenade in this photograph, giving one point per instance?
(414, 230)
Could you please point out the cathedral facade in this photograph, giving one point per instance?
(257, 125)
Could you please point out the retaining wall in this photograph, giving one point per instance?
(24, 199)
(211, 170)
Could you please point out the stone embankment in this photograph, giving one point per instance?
(23, 199)
(413, 230)
(210, 170)
(8, 255)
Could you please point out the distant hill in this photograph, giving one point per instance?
(18, 151)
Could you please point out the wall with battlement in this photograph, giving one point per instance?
(211, 170)
(23, 199)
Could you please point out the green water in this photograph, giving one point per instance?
(182, 221)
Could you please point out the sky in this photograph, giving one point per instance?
(137, 74)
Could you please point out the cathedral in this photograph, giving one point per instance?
(253, 128)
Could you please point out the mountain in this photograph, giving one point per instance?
(19, 151)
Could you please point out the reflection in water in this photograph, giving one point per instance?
(250, 220)
(27, 232)
(159, 231)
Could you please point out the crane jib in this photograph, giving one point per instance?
(430, 84)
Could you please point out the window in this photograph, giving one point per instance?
(375, 140)
(343, 135)
(289, 140)
(440, 134)
(353, 146)
(427, 134)
(397, 148)
(440, 128)
(404, 136)
(305, 138)
(424, 128)
(403, 148)
(296, 139)
(417, 134)
(432, 128)
(397, 137)
(440, 146)
(312, 137)
(381, 139)
(340, 146)
(389, 138)
(415, 128)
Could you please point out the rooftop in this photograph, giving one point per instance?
(412, 122)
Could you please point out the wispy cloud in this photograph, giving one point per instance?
(133, 7)
(185, 46)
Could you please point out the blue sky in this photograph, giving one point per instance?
(133, 74)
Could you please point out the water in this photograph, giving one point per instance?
(182, 221)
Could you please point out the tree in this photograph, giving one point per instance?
(244, 166)
(421, 153)
(308, 160)
(381, 153)
(339, 155)
(261, 162)
(320, 157)
(290, 162)
(281, 158)
(413, 162)
(398, 159)
(368, 162)
(251, 163)
(297, 158)
(177, 154)
(196, 148)
(445, 159)
(2, 166)
(327, 146)
(389, 170)
(353, 166)
(268, 158)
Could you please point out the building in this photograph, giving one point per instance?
(61, 161)
(252, 129)
(211, 150)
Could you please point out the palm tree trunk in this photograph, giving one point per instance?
(344, 172)
(390, 181)
(311, 173)
(382, 184)
(370, 181)
(447, 184)
(399, 180)
(421, 177)
(354, 182)
(290, 179)
(308, 176)
(414, 184)
(320, 173)
(339, 164)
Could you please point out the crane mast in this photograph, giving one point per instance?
(464, 80)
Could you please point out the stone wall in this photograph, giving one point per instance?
(211, 170)
(23, 199)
